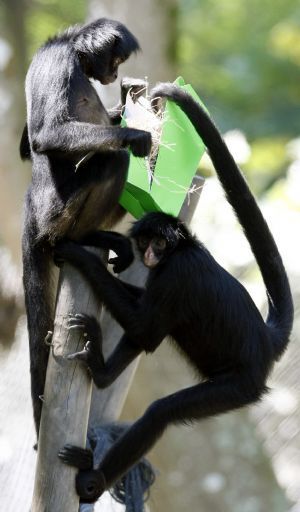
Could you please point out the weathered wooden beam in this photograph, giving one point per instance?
(67, 399)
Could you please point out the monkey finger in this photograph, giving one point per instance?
(78, 321)
(128, 82)
(86, 323)
(82, 316)
(156, 104)
(117, 266)
(75, 325)
(113, 261)
(83, 355)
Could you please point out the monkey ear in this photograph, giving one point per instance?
(118, 49)
(85, 62)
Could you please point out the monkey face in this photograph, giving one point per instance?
(152, 250)
(111, 73)
(103, 69)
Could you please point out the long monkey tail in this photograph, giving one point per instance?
(39, 309)
(263, 246)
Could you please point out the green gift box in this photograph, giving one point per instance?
(179, 153)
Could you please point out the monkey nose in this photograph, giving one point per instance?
(150, 260)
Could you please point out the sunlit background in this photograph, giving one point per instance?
(243, 59)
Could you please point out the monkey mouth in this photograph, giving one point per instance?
(106, 80)
(150, 262)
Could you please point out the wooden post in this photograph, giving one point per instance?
(67, 399)
(68, 389)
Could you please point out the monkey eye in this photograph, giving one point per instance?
(116, 61)
(142, 242)
(159, 244)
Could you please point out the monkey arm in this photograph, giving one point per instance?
(136, 291)
(134, 315)
(103, 376)
(78, 137)
(115, 114)
(117, 242)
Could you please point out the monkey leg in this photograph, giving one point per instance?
(224, 393)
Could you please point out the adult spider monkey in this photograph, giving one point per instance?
(189, 296)
(67, 124)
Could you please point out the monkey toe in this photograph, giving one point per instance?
(83, 355)
(81, 458)
(84, 322)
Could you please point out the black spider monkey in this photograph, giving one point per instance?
(189, 296)
(66, 122)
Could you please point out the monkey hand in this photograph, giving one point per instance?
(91, 355)
(90, 483)
(139, 142)
(124, 254)
(136, 87)
(119, 264)
(117, 242)
(72, 252)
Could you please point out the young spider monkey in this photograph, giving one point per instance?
(67, 124)
(190, 297)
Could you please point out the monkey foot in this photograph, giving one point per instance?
(90, 483)
(72, 455)
(91, 354)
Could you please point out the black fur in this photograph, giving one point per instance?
(65, 122)
(206, 311)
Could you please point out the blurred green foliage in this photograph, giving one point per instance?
(44, 18)
(267, 163)
(243, 58)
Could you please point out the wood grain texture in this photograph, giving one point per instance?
(67, 398)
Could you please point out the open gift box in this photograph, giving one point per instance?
(180, 150)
